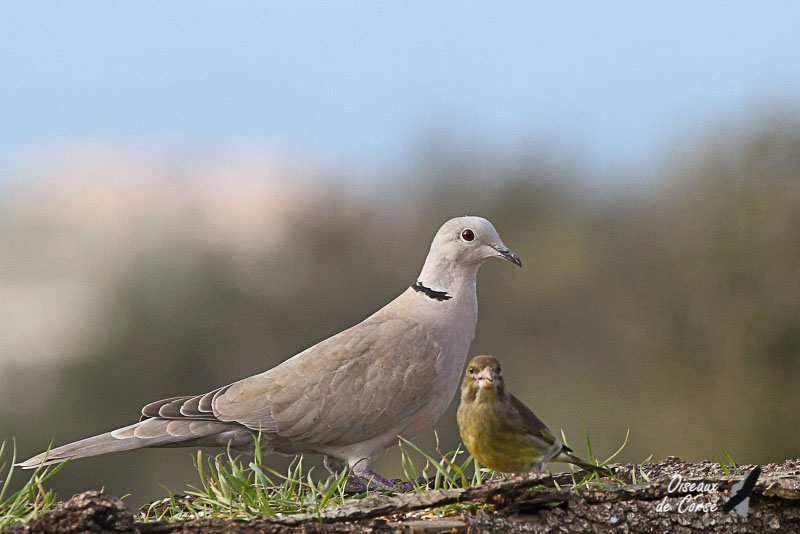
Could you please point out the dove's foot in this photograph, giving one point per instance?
(402, 487)
(363, 479)
(373, 479)
(364, 483)
(376, 479)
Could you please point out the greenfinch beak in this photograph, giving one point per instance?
(486, 378)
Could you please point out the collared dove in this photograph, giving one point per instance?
(349, 396)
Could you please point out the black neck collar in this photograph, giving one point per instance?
(430, 293)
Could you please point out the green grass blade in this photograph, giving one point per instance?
(10, 469)
(438, 465)
(29, 501)
(588, 444)
(624, 443)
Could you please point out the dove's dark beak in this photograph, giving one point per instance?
(506, 254)
(486, 378)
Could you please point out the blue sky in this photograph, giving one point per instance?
(363, 82)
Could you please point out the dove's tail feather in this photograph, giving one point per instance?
(567, 457)
(148, 433)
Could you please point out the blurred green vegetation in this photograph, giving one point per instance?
(670, 307)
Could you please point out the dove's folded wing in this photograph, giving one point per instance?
(353, 386)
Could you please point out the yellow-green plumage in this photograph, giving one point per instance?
(499, 430)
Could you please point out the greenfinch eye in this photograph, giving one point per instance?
(471, 370)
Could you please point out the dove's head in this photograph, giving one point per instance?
(482, 377)
(469, 241)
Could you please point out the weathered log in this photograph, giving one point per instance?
(662, 502)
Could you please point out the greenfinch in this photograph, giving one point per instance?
(500, 431)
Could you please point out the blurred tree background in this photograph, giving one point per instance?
(669, 306)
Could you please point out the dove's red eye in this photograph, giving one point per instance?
(467, 234)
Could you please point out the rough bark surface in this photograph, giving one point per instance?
(91, 511)
(517, 504)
